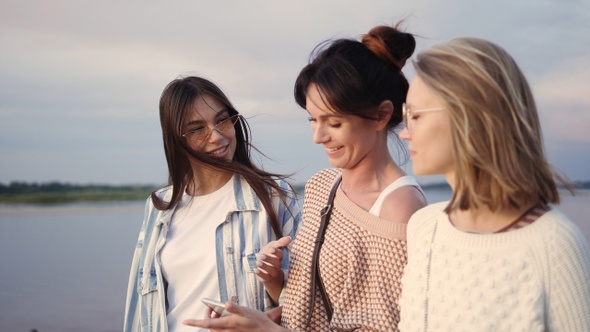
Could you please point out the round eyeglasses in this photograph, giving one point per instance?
(409, 114)
(202, 133)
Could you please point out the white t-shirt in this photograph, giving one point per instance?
(188, 256)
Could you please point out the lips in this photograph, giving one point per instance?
(331, 150)
(219, 151)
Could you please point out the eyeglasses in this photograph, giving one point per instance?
(202, 133)
(408, 114)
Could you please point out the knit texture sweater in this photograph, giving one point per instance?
(361, 263)
(535, 278)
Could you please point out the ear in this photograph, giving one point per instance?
(384, 113)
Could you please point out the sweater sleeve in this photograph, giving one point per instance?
(569, 274)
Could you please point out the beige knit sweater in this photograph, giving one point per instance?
(361, 263)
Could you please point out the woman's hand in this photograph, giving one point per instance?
(241, 319)
(269, 271)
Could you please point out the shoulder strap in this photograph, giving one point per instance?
(315, 266)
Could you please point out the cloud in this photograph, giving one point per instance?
(566, 82)
(80, 81)
(564, 101)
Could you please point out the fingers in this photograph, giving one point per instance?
(241, 319)
(271, 253)
(209, 313)
(195, 322)
(212, 320)
(277, 244)
(233, 308)
(269, 259)
(275, 314)
(268, 266)
(283, 242)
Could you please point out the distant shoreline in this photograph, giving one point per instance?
(57, 193)
(136, 206)
(66, 208)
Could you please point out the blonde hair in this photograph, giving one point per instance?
(497, 142)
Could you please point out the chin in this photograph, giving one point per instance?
(421, 171)
(338, 165)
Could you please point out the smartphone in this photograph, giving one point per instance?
(216, 306)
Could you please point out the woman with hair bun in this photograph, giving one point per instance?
(349, 254)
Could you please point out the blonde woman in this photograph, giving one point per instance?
(498, 256)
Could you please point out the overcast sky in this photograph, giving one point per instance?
(80, 80)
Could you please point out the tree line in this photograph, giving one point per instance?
(57, 192)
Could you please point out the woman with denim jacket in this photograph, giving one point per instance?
(221, 226)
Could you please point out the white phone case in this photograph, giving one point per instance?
(216, 306)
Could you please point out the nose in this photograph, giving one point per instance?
(214, 135)
(320, 135)
(404, 134)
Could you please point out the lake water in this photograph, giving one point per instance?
(65, 268)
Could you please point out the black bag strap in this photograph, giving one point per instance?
(315, 266)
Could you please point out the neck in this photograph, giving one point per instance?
(482, 220)
(207, 180)
(370, 176)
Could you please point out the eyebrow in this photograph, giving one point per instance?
(327, 116)
(219, 114)
(409, 105)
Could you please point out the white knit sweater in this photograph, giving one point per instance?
(536, 278)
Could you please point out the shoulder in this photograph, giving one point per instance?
(318, 187)
(424, 217)
(402, 203)
(563, 234)
(289, 195)
(430, 210)
(241, 183)
(323, 178)
(283, 184)
(162, 193)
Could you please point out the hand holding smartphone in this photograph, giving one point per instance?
(216, 306)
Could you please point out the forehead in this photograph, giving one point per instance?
(420, 95)
(316, 104)
(205, 107)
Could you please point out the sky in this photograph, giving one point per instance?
(80, 81)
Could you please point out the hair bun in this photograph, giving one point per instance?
(390, 44)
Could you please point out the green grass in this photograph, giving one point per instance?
(43, 194)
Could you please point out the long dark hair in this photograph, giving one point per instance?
(176, 101)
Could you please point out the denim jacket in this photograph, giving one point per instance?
(239, 237)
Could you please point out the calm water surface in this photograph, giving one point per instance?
(65, 268)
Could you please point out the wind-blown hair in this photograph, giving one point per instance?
(176, 101)
(496, 134)
(355, 77)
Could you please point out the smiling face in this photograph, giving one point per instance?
(206, 113)
(430, 141)
(347, 139)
